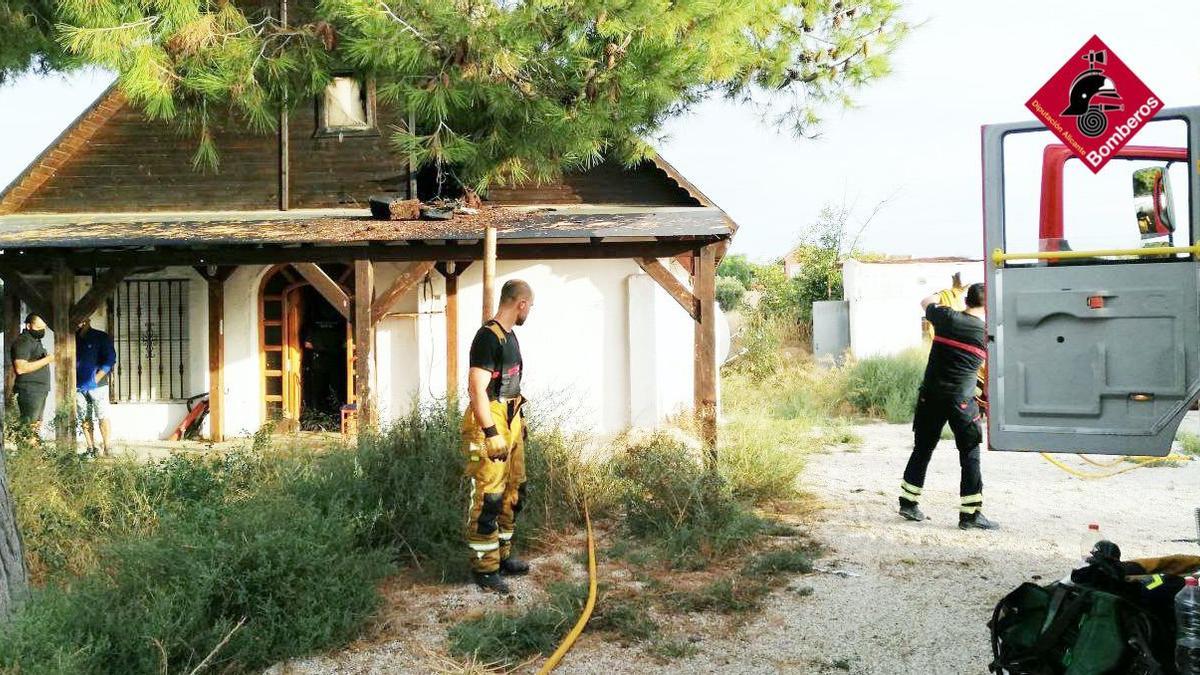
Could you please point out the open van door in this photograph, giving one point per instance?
(1093, 308)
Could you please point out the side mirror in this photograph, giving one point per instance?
(1153, 202)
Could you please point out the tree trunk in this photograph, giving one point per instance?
(14, 577)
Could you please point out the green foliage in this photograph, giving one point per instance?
(780, 295)
(254, 582)
(729, 293)
(1189, 443)
(792, 560)
(727, 595)
(759, 344)
(886, 386)
(505, 638)
(672, 501)
(628, 618)
(738, 267)
(501, 92)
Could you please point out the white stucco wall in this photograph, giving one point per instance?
(605, 347)
(884, 297)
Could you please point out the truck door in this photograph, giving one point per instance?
(1093, 322)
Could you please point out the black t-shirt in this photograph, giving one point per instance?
(28, 348)
(503, 360)
(958, 351)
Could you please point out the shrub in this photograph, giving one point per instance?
(729, 293)
(780, 295)
(760, 343)
(670, 500)
(271, 577)
(886, 386)
(498, 637)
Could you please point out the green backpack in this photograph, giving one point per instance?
(1071, 629)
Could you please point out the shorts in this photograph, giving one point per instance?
(92, 406)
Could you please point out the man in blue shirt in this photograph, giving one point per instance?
(95, 357)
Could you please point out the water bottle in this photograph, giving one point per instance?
(1088, 542)
(1187, 628)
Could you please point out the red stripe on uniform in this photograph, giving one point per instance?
(972, 349)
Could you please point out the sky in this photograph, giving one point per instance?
(912, 139)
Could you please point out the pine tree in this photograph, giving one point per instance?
(505, 91)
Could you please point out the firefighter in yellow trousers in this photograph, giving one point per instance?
(493, 440)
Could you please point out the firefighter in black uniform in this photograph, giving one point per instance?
(493, 440)
(947, 396)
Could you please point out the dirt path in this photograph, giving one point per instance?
(915, 597)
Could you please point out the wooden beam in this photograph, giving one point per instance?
(705, 369)
(489, 273)
(671, 285)
(28, 294)
(39, 258)
(12, 329)
(328, 288)
(101, 289)
(407, 278)
(63, 295)
(451, 271)
(216, 358)
(364, 341)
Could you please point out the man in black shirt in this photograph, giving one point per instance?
(493, 440)
(947, 395)
(29, 361)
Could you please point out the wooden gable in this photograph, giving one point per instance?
(112, 159)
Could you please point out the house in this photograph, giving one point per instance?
(218, 282)
(884, 298)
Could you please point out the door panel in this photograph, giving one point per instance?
(1067, 376)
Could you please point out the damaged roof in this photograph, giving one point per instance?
(341, 226)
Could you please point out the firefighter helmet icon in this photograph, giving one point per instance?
(1093, 95)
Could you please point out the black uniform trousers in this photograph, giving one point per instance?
(934, 411)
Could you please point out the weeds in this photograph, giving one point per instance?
(498, 637)
(792, 560)
(1189, 443)
(886, 386)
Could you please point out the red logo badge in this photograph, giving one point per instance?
(1094, 104)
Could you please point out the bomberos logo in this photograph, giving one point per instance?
(1094, 104)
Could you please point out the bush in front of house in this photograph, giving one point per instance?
(729, 293)
(238, 586)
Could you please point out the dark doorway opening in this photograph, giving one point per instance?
(323, 378)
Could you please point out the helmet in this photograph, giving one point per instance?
(1089, 85)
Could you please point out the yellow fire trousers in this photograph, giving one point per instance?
(497, 484)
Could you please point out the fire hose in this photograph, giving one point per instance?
(577, 630)
(1137, 463)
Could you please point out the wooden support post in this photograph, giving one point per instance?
(328, 288)
(451, 271)
(12, 329)
(705, 371)
(407, 278)
(489, 273)
(364, 341)
(216, 354)
(63, 297)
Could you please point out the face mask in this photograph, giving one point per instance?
(39, 334)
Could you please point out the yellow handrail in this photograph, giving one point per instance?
(999, 256)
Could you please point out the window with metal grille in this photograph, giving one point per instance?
(149, 325)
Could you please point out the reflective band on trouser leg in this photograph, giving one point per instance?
(909, 491)
(971, 504)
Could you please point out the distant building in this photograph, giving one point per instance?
(885, 295)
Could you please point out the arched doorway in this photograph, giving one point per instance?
(305, 350)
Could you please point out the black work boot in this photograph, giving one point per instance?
(976, 521)
(513, 566)
(491, 581)
(909, 510)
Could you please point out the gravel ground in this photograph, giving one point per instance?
(914, 597)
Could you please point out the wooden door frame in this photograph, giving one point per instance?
(295, 281)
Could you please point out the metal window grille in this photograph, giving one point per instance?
(149, 325)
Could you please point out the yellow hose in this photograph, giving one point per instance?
(1137, 464)
(569, 640)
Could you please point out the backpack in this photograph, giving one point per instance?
(1069, 628)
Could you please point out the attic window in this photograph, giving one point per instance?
(347, 107)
